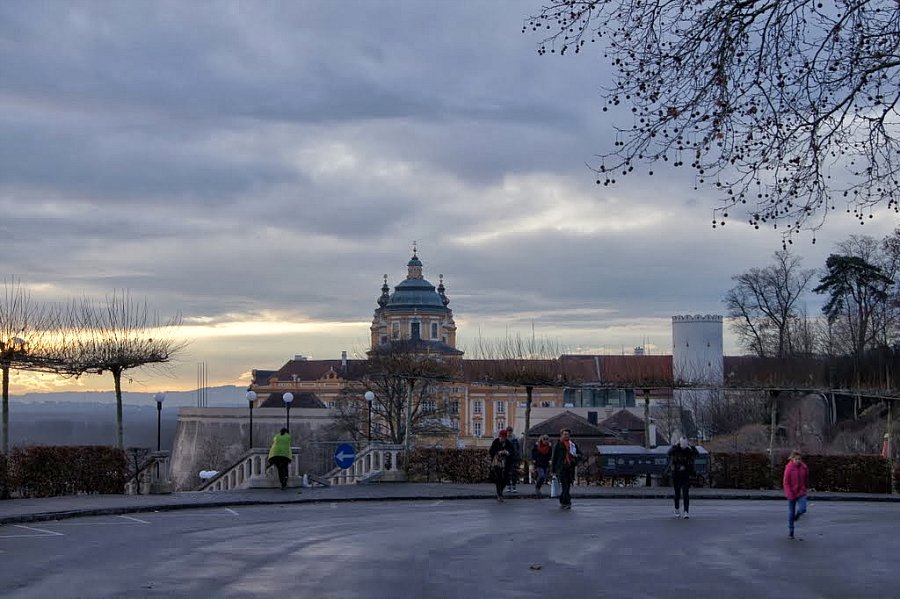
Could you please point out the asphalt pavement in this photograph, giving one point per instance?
(18, 511)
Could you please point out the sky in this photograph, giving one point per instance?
(257, 167)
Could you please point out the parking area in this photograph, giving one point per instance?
(478, 548)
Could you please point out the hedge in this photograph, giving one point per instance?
(4, 478)
(838, 473)
(47, 471)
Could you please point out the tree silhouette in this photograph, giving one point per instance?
(115, 336)
(763, 305)
(787, 108)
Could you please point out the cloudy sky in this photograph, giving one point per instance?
(258, 166)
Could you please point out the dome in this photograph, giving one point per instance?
(415, 293)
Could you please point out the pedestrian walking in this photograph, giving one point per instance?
(566, 456)
(515, 457)
(540, 455)
(796, 477)
(681, 466)
(500, 451)
(280, 455)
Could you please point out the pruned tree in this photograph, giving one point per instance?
(763, 306)
(118, 335)
(788, 108)
(27, 331)
(857, 290)
(518, 361)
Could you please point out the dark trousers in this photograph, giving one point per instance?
(501, 477)
(566, 478)
(513, 473)
(541, 476)
(281, 463)
(682, 483)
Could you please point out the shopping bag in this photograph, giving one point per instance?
(555, 488)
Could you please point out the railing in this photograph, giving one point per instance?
(373, 463)
(152, 477)
(251, 471)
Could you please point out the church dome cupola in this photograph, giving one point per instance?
(414, 267)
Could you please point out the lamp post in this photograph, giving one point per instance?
(251, 399)
(288, 398)
(160, 398)
(370, 397)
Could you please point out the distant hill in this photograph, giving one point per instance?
(89, 418)
(228, 396)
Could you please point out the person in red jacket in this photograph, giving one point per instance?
(796, 475)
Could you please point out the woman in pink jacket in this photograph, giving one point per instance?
(796, 475)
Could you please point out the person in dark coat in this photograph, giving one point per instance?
(540, 455)
(566, 456)
(501, 450)
(514, 458)
(681, 465)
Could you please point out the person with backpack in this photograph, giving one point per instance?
(566, 456)
(500, 452)
(681, 467)
(540, 455)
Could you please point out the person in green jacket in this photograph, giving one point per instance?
(280, 455)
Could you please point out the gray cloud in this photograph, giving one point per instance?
(239, 163)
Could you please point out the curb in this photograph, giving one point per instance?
(136, 509)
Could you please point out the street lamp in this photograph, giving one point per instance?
(288, 398)
(251, 399)
(370, 397)
(160, 398)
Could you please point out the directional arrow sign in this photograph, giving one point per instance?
(344, 456)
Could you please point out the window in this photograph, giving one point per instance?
(453, 408)
(428, 407)
(476, 429)
(383, 339)
(501, 407)
(476, 406)
(414, 328)
(395, 330)
(434, 330)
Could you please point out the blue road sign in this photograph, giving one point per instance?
(344, 455)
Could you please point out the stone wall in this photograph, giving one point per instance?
(214, 438)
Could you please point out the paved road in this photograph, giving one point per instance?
(440, 548)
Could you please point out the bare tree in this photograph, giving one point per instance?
(787, 108)
(118, 335)
(408, 395)
(25, 334)
(520, 362)
(763, 305)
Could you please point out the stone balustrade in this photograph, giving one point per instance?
(153, 477)
(251, 472)
(381, 462)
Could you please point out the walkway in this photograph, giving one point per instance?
(14, 511)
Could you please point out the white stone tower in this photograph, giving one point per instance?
(697, 356)
(698, 361)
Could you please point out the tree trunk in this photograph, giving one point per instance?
(5, 368)
(772, 431)
(407, 440)
(117, 378)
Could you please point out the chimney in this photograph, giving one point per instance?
(344, 360)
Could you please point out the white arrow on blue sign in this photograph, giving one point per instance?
(344, 456)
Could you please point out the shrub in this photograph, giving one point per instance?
(46, 471)
(433, 464)
(848, 473)
(4, 477)
(739, 471)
